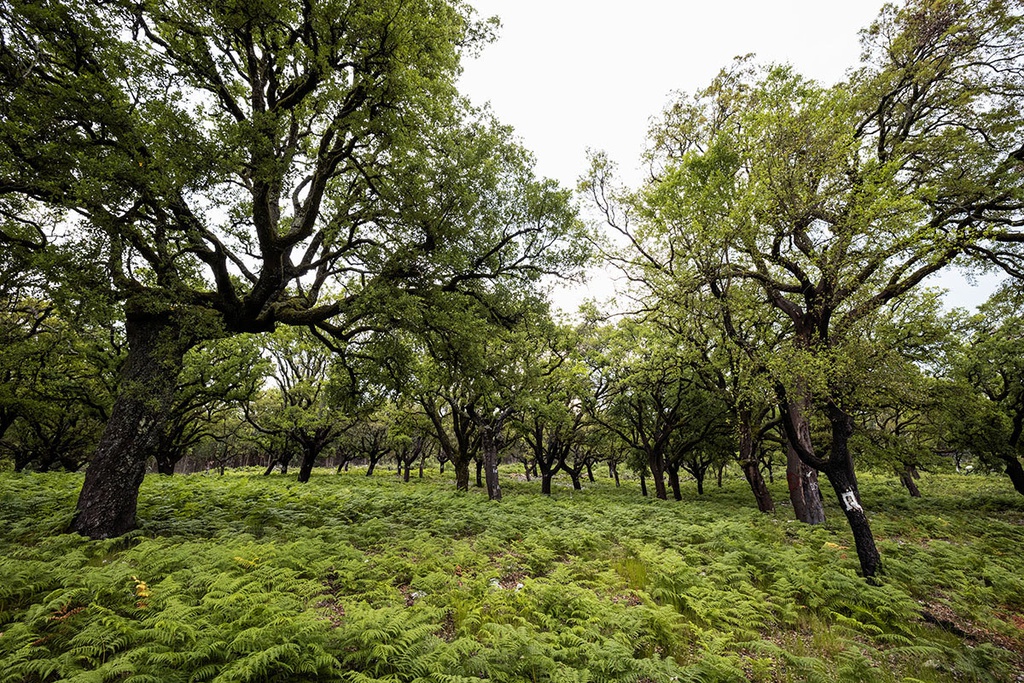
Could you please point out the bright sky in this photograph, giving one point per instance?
(571, 75)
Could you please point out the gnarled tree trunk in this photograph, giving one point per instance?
(839, 470)
(156, 348)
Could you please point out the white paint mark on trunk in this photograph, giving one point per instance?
(849, 499)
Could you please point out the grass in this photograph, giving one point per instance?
(251, 578)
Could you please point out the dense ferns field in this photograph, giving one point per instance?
(349, 578)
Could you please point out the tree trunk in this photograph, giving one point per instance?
(907, 477)
(490, 461)
(673, 481)
(804, 492)
(590, 472)
(1015, 472)
(575, 477)
(849, 499)
(408, 471)
(841, 475)
(480, 473)
(699, 476)
(718, 475)
(750, 465)
(643, 484)
(109, 496)
(545, 483)
(658, 474)
(306, 465)
(461, 475)
(165, 466)
(760, 490)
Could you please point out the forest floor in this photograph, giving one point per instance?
(249, 578)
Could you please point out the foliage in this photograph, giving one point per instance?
(354, 578)
(834, 202)
(242, 166)
(218, 379)
(57, 376)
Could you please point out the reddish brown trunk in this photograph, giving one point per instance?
(750, 466)
(757, 486)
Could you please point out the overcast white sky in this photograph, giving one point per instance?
(571, 75)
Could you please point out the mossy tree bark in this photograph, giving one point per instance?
(107, 503)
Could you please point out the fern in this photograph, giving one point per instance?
(354, 578)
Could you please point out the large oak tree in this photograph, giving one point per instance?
(240, 165)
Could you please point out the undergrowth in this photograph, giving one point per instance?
(349, 578)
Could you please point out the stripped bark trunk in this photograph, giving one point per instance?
(839, 470)
(804, 492)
